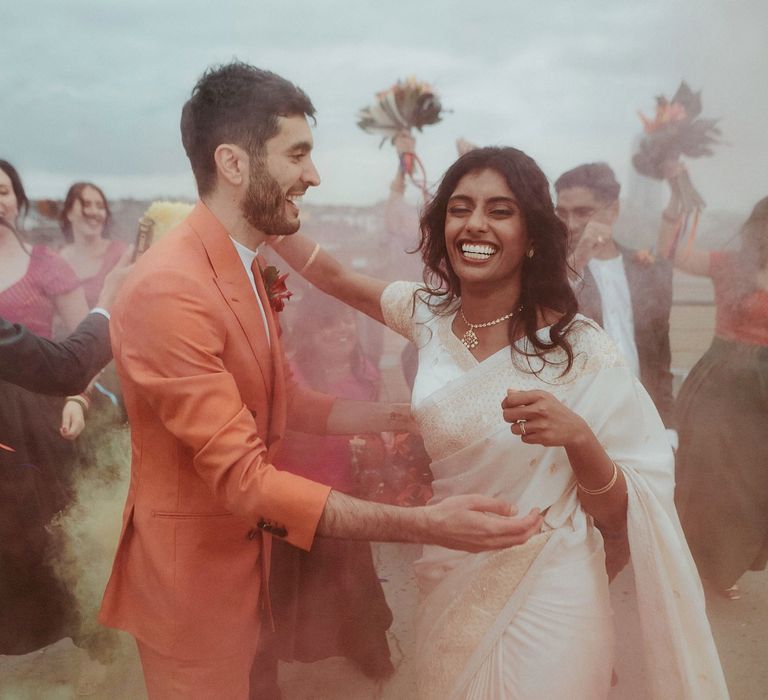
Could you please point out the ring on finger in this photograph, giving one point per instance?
(521, 423)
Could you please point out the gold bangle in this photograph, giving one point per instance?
(604, 489)
(310, 259)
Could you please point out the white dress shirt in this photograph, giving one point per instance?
(247, 256)
(618, 319)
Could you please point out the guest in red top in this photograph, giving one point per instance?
(85, 222)
(722, 479)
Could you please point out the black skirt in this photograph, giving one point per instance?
(36, 609)
(329, 602)
(722, 462)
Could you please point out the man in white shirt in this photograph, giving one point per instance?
(625, 291)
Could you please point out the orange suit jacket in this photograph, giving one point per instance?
(207, 400)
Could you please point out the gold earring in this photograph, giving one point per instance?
(530, 252)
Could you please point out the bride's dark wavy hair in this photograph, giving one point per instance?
(545, 282)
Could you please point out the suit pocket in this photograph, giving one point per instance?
(189, 516)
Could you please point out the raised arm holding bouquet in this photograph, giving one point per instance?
(407, 105)
(676, 130)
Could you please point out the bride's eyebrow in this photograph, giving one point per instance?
(503, 200)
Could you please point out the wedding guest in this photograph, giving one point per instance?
(328, 601)
(64, 368)
(36, 433)
(626, 291)
(722, 482)
(85, 221)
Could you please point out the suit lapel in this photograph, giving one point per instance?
(232, 280)
(634, 281)
(590, 302)
(279, 407)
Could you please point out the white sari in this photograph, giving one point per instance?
(535, 620)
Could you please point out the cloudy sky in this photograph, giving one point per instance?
(93, 90)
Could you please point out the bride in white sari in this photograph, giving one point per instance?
(519, 397)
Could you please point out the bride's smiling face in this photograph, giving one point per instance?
(485, 233)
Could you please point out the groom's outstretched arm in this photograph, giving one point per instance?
(472, 523)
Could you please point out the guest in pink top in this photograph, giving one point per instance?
(85, 222)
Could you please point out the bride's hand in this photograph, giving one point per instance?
(541, 419)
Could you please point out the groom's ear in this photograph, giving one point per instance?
(231, 163)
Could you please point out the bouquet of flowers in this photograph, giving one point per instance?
(676, 130)
(408, 104)
(397, 474)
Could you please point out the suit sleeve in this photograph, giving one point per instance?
(663, 395)
(47, 367)
(170, 344)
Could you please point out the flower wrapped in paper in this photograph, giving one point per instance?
(406, 105)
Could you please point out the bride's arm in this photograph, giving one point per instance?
(327, 274)
(540, 419)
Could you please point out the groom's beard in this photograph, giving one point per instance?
(263, 206)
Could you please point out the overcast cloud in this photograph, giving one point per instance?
(93, 90)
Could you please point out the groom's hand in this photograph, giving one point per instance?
(476, 523)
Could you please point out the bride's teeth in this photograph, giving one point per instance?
(477, 251)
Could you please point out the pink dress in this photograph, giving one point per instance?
(92, 285)
(31, 300)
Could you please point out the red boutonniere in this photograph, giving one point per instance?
(274, 284)
(645, 257)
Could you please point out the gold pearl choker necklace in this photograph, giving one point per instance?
(470, 338)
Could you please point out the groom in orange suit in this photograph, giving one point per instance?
(203, 375)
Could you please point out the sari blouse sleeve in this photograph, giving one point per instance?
(398, 304)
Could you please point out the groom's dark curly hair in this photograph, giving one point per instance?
(240, 104)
